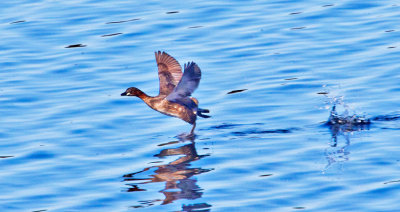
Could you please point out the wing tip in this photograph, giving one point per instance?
(159, 54)
(191, 64)
(166, 59)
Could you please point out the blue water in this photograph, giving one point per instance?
(70, 142)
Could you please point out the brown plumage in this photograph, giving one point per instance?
(175, 90)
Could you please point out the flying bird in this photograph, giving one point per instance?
(175, 90)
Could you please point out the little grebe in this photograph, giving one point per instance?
(175, 90)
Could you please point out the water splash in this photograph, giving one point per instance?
(345, 118)
(342, 115)
(342, 122)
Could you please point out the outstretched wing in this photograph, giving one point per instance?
(169, 72)
(189, 82)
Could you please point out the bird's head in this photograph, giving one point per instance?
(132, 91)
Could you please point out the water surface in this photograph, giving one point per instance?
(271, 72)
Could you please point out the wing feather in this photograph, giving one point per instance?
(169, 72)
(187, 85)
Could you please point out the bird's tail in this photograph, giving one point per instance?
(201, 111)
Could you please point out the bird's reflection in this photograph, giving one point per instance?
(177, 175)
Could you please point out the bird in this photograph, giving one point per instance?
(174, 97)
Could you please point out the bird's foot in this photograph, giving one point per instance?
(202, 115)
(203, 110)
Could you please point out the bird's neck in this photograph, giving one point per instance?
(151, 101)
(142, 95)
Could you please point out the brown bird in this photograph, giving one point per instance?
(175, 90)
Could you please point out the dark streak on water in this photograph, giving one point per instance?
(75, 46)
(393, 117)
(225, 126)
(172, 12)
(236, 91)
(194, 27)
(393, 181)
(17, 22)
(259, 132)
(113, 34)
(297, 28)
(124, 21)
